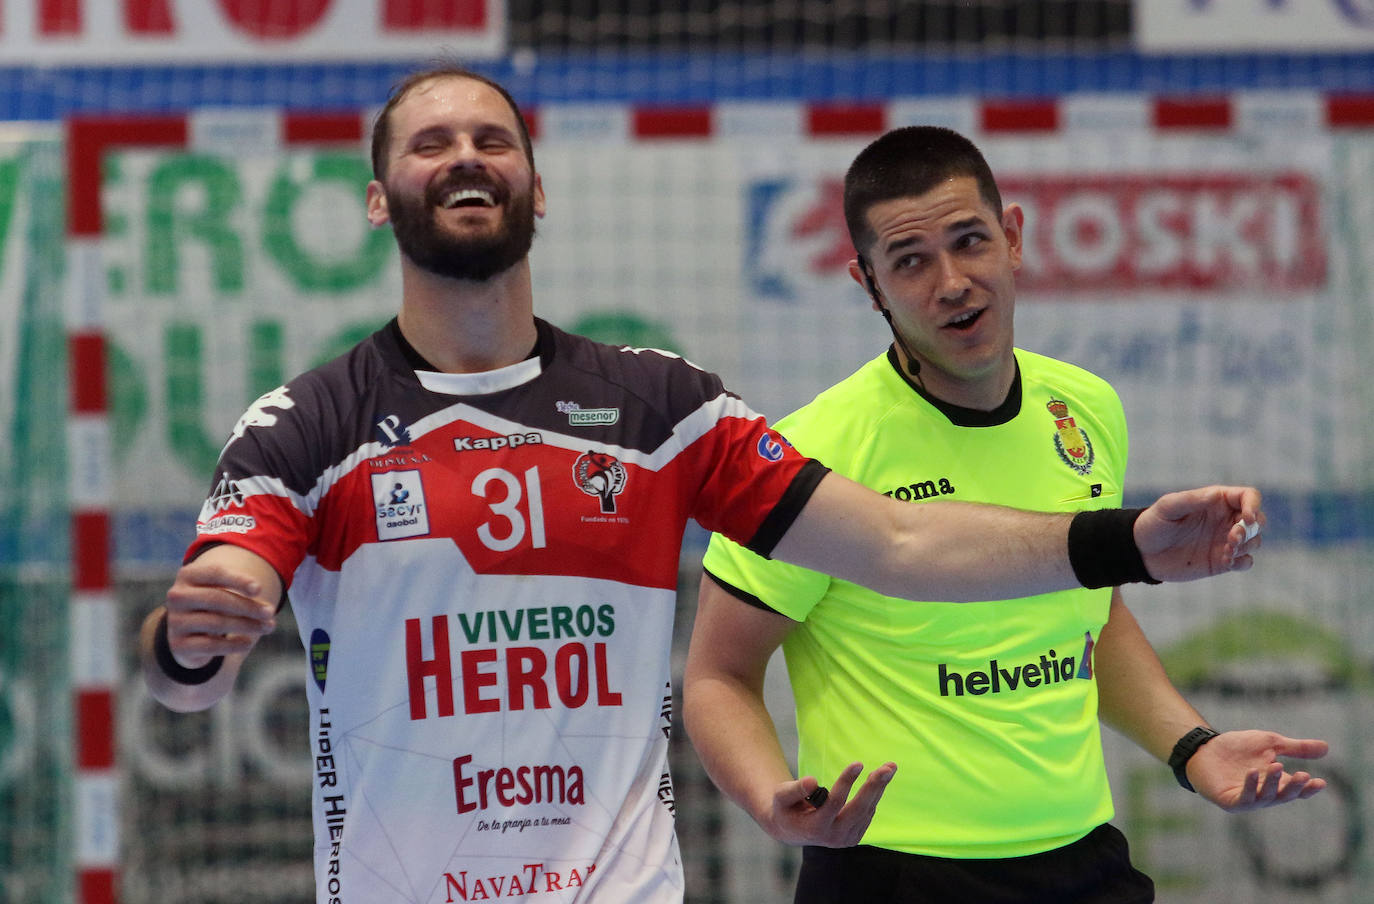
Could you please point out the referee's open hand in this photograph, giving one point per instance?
(806, 813)
(1241, 770)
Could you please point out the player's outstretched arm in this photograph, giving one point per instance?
(737, 742)
(962, 552)
(192, 646)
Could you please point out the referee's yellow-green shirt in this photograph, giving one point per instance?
(988, 709)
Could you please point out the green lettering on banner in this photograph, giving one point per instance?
(169, 223)
(9, 191)
(128, 398)
(343, 270)
(186, 399)
(346, 338)
(266, 351)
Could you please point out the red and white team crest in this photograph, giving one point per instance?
(601, 475)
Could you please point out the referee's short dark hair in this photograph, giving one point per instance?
(907, 162)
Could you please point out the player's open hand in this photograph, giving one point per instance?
(1199, 533)
(215, 610)
(806, 813)
(1240, 770)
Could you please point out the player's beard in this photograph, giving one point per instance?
(423, 239)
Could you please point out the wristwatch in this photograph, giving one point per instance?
(1184, 750)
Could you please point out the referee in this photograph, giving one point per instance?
(992, 709)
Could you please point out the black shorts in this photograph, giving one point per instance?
(1095, 868)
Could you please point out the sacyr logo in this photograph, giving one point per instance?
(399, 505)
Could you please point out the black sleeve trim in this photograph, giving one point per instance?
(743, 596)
(773, 528)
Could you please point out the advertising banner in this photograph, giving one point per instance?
(88, 32)
(1171, 26)
(1210, 280)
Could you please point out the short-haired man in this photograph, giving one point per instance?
(990, 708)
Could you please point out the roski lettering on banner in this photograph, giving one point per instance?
(101, 31)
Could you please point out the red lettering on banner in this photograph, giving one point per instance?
(279, 21)
(1197, 232)
(1129, 232)
(410, 15)
(275, 21)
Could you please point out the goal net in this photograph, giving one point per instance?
(1200, 273)
(1208, 256)
(35, 749)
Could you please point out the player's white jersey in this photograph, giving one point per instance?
(483, 568)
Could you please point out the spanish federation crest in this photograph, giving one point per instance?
(1072, 444)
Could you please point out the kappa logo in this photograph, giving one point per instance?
(1070, 441)
(601, 475)
(495, 443)
(258, 416)
(400, 509)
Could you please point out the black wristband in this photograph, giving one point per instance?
(1184, 750)
(1102, 550)
(162, 651)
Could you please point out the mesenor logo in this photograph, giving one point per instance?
(400, 505)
